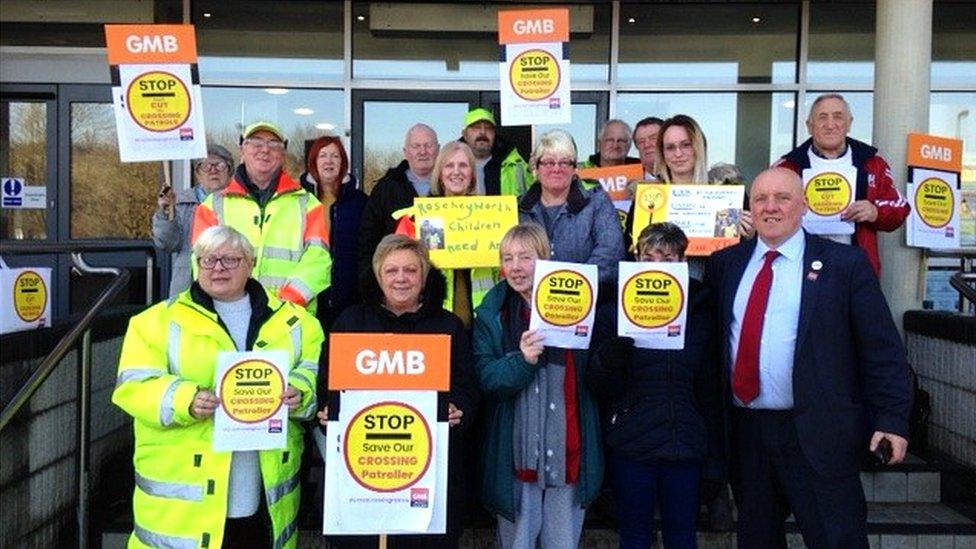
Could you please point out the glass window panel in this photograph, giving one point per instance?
(746, 129)
(408, 41)
(100, 182)
(841, 50)
(842, 44)
(713, 44)
(23, 154)
(385, 124)
(582, 127)
(299, 41)
(954, 44)
(954, 115)
(301, 113)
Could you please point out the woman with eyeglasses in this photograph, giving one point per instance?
(663, 425)
(172, 235)
(682, 159)
(582, 224)
(186, 493)
(682, 152)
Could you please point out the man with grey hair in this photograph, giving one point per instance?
(612, 146)
(396, 190)
(877, 205)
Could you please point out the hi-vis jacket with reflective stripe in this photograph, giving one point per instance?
(169, 351)
(482, 279)
(288, 234)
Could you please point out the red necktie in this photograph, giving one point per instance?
(745, 372)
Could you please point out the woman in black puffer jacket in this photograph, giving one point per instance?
(664, 428)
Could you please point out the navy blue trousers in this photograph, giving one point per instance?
(771, 478)
(638, 486)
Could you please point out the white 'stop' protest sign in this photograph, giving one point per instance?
(156, 92)
(564, 303)
(652, 304)
(534, 72)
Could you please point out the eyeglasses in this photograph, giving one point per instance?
(675, 147)
(550, 164)
(226, 261)
(615, 140)
(218, 166)
(273, 144)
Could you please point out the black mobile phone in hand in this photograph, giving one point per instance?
(883, 451)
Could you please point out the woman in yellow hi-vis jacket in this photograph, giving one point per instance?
(187, 494)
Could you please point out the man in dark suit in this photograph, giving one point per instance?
(816, 369)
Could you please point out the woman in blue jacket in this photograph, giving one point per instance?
(582, 224)
(663, 427)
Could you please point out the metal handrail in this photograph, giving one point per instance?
(962, 284)
(43, 371)
(36, 247)
(81, 329)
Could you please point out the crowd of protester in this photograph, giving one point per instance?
(783, 408)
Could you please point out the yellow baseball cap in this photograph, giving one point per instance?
(263, 125)
(478, 114)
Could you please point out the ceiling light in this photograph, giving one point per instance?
(304, 111)
(631, 20)
(360, 18)
(325, 126)
(757, 19)
(207, 14)
(276, 91)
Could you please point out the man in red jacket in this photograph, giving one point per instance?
(877, 203)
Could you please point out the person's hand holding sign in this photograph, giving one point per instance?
(291, 397)
(453, 414)
(531, 345)
(860, 211)
(746, 227)
(203, 405)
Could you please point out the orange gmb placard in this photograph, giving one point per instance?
(128, 44)
(614, 178)
(522, 26)
(390, 361)
(932, 151)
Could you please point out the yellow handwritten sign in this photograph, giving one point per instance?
(464, 231)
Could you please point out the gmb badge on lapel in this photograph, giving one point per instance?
(814, 272)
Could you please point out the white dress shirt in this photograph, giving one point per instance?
(778, 342)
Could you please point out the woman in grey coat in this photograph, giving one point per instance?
(582, 224)
(173, 235)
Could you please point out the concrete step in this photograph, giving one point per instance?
(927, 479)
(890, 526)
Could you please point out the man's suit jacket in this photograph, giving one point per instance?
(850, 376)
